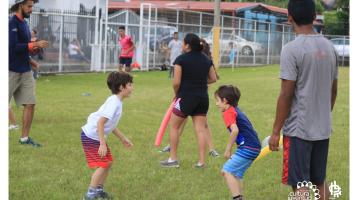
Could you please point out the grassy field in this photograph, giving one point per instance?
(58, 170)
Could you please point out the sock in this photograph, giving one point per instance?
(99, 188)
(238, 197)
(170, 160)
(91, 192)
(24, 139)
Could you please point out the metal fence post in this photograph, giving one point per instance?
(100, 43)
(201, 24)
(60, 45)
(283, 36)
(344, 46)
(268, 43)
(105, 40)
(148, 37)
(255, 42)
(155, 36)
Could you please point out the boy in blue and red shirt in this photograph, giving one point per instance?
(243, 133)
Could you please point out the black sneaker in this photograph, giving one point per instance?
(30, 142)
(199, 166)
(90, 198)
(214, 153)
(166, 149)
(104, 195)
(166, 163)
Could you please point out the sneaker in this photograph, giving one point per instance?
(30, 142)
(13, 127)
(104, 195)
(199, 166)
(166, 149)
(214, 153)
(166, 163)
(90, 198)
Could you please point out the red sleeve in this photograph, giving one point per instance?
(30, 46)
(230, 116)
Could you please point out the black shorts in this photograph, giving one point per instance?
(125, 61)
(191, 106)
(304, 160)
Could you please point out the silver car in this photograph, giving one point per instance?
(342, 46)
(244, 46)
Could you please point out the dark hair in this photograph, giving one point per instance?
(206, 48)
(231, 93)
(117, 79)
(175, 32)
(122, 27)
(34, 30)
(303, 12)
(193, 41)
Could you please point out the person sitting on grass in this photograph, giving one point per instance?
(243, 133)
(99, 125)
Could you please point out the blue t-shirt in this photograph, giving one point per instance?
(247, 139)
(19, 39)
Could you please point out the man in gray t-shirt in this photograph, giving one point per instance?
(175, 47)
(309, 71)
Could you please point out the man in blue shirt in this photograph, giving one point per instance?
(21, 82)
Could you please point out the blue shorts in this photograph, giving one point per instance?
(237, 165)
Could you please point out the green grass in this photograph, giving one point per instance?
(58, 170)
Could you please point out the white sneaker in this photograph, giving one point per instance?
(13, 127)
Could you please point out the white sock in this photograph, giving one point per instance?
(24, 139)
(170, 160)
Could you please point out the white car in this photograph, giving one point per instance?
(244, 47)
(342, 46)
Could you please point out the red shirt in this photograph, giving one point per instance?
(126, 43)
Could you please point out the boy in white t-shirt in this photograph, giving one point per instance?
(99, 125)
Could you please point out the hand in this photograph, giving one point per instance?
(102, 150)
(34, 65)
(227, 154)
(41, 44)
(127, 143)
(274, 142)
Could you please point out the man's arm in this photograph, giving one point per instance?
(282, 110)
(334, 93)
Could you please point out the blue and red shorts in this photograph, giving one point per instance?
(90, 147)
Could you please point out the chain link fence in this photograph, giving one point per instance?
(243, 42)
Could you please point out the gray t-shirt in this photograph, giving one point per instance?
(175, 47)
(312, 62)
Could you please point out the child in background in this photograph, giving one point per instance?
(241, 132)
(98, 127)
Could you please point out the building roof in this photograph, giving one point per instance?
(193, 5)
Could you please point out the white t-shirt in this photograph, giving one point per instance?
(112, 110)
(175, 50)
(72, 49)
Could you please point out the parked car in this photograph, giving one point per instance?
(342, 46)
(244, 46)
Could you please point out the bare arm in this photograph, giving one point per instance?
(177, 78)
(102, 151)
(283, 104)
(233, 135)
(122, 138)
(334, 93)
(212, 75)
(282, 110)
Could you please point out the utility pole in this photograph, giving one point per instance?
(216, 34)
